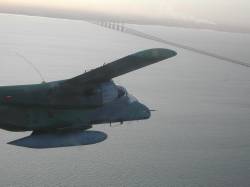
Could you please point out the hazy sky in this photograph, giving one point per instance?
(222, 12)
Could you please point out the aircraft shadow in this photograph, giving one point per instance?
(60, 139)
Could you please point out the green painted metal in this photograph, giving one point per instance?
(80, 102)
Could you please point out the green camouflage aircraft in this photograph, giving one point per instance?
(77, 103)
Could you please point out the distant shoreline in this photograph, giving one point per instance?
(139, 20)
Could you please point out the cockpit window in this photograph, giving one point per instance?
(121, 91)
(109, 92)
(132, 98)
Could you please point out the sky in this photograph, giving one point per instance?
(230, 14)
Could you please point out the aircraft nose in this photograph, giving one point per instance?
(138, 111)
(145, 112)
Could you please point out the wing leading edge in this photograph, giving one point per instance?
(122, 66)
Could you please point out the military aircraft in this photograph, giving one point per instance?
(80, 102)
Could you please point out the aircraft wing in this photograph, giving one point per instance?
(122, 66)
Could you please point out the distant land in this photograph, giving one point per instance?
(122, 18)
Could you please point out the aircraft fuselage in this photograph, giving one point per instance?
(23, 109)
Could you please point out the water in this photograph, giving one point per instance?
(199, 135)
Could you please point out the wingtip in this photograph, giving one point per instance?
(165, 51)
(161, 53)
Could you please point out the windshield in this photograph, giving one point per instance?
(121, 91)
(132, 98)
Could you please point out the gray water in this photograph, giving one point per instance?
(199, 135)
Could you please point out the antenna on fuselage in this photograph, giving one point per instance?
(31, 65)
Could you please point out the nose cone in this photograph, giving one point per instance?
(137, 111)
(144, 112)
